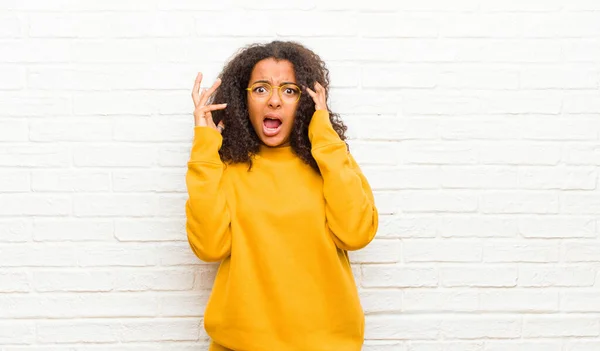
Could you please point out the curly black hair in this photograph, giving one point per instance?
(240, 142)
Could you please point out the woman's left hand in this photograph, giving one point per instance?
(318, 96)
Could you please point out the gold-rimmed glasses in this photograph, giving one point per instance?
(262, 91)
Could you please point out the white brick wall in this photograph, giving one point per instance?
(477, 123)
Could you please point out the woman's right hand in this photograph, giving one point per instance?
(202, 112)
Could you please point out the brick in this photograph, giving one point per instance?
(519, 202)
(581, 345)
(64, 280)
(556, 77)
(56, 331)
(114, 155)
(407, 226)
(571, 325)
(439, 301)
(34, 205)
(150, 229)
(579, 203)
(104, 51)
(436, 201)
(583, 251)
(481, 25)
(398, 276)
(13, 78)
(368, 127)
(579, 301)
(581, 102)
(393, 76)
(478, 177)
(520, 153)
(521, 251)
(519, 301)
(381, 345)
(38, 255)
(11, 282)
(446, 152)
(47, 50)
(70, 181)
(15, 230)
(378, 251)
(17, 332)
(70, 130)
(402, 327)
(446, 346)
(414, 177)
(112, 103)
(149, 181)
(428, 250)
(113, 25)
(14, 181)
(582, 154)
(524, 345)
(28, 155)
(138, 129)
(381, 300)
(556, 276)
(564, 178)
(488, 226)
(79, 305)
(88, 230)
(184, 304)
(580, 50)
(467, 327)
(154, 279)
(13, 130)
(398, 25)
(163, 329)
(557, 227)
(105, 255)
(482, 276)
(10, 27)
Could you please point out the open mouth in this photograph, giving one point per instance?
(271, 126)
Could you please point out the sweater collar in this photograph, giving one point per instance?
(276, 153)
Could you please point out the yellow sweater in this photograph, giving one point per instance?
(282, 232)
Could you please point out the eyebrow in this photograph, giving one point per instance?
(266, 81)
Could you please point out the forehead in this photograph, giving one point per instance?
(273, 71)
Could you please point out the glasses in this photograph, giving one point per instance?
(288, 93)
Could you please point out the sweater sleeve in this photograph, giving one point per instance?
(208, 221)
(349, 204)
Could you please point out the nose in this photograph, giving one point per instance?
(275, 99)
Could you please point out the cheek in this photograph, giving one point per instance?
(253, 110)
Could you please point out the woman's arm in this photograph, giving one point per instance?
(208, 222)
(349, 205)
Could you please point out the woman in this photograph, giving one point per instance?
(275, 196)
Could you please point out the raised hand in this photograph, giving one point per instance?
(319, 96)
(202, 112)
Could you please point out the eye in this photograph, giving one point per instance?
(290, 90)
(261, 89)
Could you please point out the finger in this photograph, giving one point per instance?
(319, 88)
(202, 93)
(209, 108)
(196, 89)
(209, 120)
(310, 92)
(210, 91)
(220, 127)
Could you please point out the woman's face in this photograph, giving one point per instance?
(272, 110)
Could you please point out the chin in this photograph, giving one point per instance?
(272, 142)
